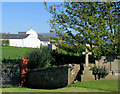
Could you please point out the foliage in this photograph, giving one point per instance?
(105, 85)
(5, 42)
(53, 38)
(41, 36)
(9, 86)
(39, 58)
(63, 57)
(95, 70)
(70, 48)
(64, 52)
(10, 61)
(43, 47)
(93, 23)
(101, 72)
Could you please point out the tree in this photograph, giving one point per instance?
(93, 23)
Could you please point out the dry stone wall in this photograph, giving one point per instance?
(47, 78)
(73, 72)
(53, 77)
(10, 74)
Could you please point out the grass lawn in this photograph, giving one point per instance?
(90, 86)
(105, 85)
(66, 89)
(14, 52)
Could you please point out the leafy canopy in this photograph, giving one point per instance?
(93, 23)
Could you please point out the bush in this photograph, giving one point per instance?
(5, 42)
(101, 72)
(10, 61)
(39, 58)
(95, 70)
(63, 57)
(9, 86)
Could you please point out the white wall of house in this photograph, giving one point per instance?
(27, 42)
(44, 43)
(31, 41)
(16, 42)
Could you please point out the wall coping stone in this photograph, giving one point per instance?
(61, 66)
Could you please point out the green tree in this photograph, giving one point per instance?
(93, 23)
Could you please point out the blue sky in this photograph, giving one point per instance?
(21, 16)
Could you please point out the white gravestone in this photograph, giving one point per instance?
(86, 56)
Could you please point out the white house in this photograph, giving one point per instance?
(26, 39)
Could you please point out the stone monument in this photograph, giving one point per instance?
(87, 74)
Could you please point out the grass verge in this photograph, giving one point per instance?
(105, 85)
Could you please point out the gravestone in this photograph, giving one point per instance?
(87, 74)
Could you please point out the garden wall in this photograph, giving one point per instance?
(11, 74)
(52, 77)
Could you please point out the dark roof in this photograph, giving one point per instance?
(21, 32)
(44, 38)
(49, 34)
(14, 36)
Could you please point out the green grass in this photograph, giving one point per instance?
(14, 52)
(66, 89)
(89, 86)
(105, 85)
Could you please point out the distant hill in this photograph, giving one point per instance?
(49, 34)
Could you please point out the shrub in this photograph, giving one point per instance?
(95, 70)
(10, 61)
(9, 86)
(39, 58)
(5, 42)
(101, 72)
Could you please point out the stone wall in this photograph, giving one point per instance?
(52, 77)
(73, 71)
(11, 74)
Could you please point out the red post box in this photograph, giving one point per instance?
(23, 70)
